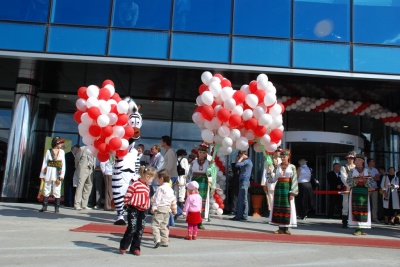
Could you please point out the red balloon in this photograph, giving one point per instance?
(82, 93)
(223, 114)
(129, 132)
(93, 112)
(216, 196)
(253, 87)
(122, 119)
(107, 131)
(222, 206)
(103, 157)
(235, 120)
(121, 153)
(98, 142)
(220, 201)
(107, 82)
(202, 88)
(116, 97)
(115, 143)
(104, 94)
(276, 135)
(207, 112)
(114, 109)
(77, 116)
(222, 169)
(283, 107)
(251, 124)
(260, 94)
(239, 97)
(226, 83)
(104, 148)
(260, 131)
(198, 109)
(95, 130)
(219, 76)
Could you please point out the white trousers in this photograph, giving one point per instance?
(56, 189)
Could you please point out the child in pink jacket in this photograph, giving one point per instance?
(192, 209)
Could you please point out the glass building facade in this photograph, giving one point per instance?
(156, 50)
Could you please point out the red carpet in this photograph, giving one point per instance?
(251, 236)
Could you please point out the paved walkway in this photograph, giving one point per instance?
(30, 238)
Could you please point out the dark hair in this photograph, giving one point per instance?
(166, 139)
(56, 140)
(164, 174)
(369, 160)
(335, 164)
(391, 168)
(141, 145)
(181, 152)
(244, 152)
(77, 146)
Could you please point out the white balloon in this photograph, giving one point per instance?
(85, 119)
(83, 129)
(230, 104)
(271, 147)
(122, 107)
(118, 131)
(208, 125)
(81, 104)
(263, 85)
(265, 139)
(215, 88)
(224, 131)
(271, 88)
(245, 89)
(215, 206)
(216, 123)
(223, 196)
(257, 147)
(226, 93)
(110, 88)
(103, 120)
(282, 128)
(215, 79)
(219, 174)
(262, 77)
(275, 110)
(269, 99)
(199, 102)
(252, 100)
(227, 142)
(223, 178)
(217, 108)
(104, 107)
(247, 114)
(250, 135)
(206, 77)
(237, 110)
(88, 140)
(218, 139)
(89, 149)
(258, 111)
(207, 135)
(276, 122)
(125, 144)
(265, 120)
(92, 102)
(207, 98)
(112, 118)
(235, 134)
(112, 102)
(92, 91)
(218, 100)
(242, 143)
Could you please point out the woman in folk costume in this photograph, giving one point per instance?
(359, 180)
(269, 188)
(389, 186)
(283, 213)
(199, 169)
(126, 169)
(53, 171)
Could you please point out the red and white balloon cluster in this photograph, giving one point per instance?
(217, 200)
(102, 117)
(235, 119)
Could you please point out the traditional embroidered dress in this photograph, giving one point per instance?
(392, 201)
(283, 211)
(199, 175)
(359, 208)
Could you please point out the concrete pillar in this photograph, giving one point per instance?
(19, 157)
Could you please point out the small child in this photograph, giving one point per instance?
(192, 209)
(137, 201)
(164, 202)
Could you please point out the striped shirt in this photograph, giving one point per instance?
(137, 195)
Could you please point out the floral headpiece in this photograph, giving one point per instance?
(202, 147)
(285, 152)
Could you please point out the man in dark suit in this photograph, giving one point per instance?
(335, 184)
(69, 189)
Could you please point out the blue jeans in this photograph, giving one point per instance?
(242, 209)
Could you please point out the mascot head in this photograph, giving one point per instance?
(135, 119)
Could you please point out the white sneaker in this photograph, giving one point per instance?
(77, 208)
(86, 208)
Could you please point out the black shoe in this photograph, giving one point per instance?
(165, 246)
(234, 219)
(243, 218)
(157, 245)
(120, 222)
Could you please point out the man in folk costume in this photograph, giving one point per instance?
(344, 171)
(283, 213)
(359, 181)
(126, 168)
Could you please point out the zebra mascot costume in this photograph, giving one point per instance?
(126, 169)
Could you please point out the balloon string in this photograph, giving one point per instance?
(267, 158)
(212, 170)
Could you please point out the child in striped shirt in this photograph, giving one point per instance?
(137, 201)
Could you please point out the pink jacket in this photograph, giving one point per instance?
(193, 203)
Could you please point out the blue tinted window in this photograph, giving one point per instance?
(156, 129)
(149, 14)
(5, 118)
(87, 12)
(261, 52)
(22, 36)
(262, 18)
(327, 56)
(202, 16)
(200, 47)
(24, 10)
(77, 40)
(139, 44)
(322, 20)
(376, 21)
(64, 122)
(376, 59)
(186, 130)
